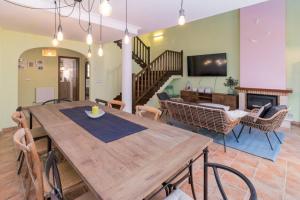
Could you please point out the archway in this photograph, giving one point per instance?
(45, 73)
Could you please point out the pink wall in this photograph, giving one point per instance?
(262, 45)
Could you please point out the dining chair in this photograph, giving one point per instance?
(171, 186)
(141, 110)
(216, 167)
(116, 103)
(54, 179)
(56, 101)
(101, 102)
(42, 187)
(24, 142)
(38, 133)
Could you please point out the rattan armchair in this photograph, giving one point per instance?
(212, 119)
(266, 125)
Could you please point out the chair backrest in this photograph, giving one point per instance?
(53, 177)
(215, 167)
(23, 141)
(140, 110)
(20, 119)
(117, 103)
(101, 101)
(209, 118)
(56, 101)
(278, 119)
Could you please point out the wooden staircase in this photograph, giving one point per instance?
(140, 51)
(154, 74)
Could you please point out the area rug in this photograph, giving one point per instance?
(255, 143)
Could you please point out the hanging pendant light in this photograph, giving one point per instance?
(181, 19)
(89, 37)
(60, 35)
(126, 36)
(105, 8)
(89, 54)
(100, 50)
(54, 40)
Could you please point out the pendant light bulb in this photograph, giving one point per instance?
(126, 37)
(55, 41)
(89, 54)
(181, 19)
(100, 51)
(105, 8)
(89, 39)
(60, 35)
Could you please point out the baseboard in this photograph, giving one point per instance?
(294, 123)
(8, 129)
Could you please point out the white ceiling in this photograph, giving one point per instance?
(143, 16)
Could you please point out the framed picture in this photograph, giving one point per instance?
(30, 64)
(22, 64)
(39, 64)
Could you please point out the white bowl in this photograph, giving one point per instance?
(90, 115)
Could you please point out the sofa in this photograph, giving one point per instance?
(210, 118)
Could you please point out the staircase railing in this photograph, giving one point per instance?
(168, 63)
(141, 50)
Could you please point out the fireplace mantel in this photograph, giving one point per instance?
(265, 91)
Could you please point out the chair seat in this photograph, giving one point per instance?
(38, 132)
(41, 146)
(86, 196)
(68, 176)
(178, 195)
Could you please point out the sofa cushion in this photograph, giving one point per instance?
(267, 107)
(163, 96)
(273, 110)
(214, 106)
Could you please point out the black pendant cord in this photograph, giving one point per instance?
(55, 23)
(89, 27)
(126, 30)
(89, 9)
(100, 28)
(37, 8)
(59, 20)
(181, 6)
(79, 20)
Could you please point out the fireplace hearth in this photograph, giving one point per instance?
(258, 100)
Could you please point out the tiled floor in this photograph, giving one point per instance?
(272, 180)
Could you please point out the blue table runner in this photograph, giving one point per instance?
(107, 128)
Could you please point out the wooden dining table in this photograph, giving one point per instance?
(129, 168)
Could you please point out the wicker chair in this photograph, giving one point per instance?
(266, 125)
(203, 117)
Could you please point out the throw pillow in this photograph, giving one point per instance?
(273, 110)
(267, 107)
(163, 96)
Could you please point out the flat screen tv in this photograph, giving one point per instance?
(207, 65)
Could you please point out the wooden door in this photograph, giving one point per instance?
(68, 78)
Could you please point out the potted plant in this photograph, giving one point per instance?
(231, 83)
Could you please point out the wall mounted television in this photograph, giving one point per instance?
(207, 65)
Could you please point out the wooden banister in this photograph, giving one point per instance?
(167, 63)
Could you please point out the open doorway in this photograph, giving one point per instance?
(87, 80)
(68, 78)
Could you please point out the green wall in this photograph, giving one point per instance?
(216, 34)
(103, 83)
(293, 55)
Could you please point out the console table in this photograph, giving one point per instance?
(218, 98)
